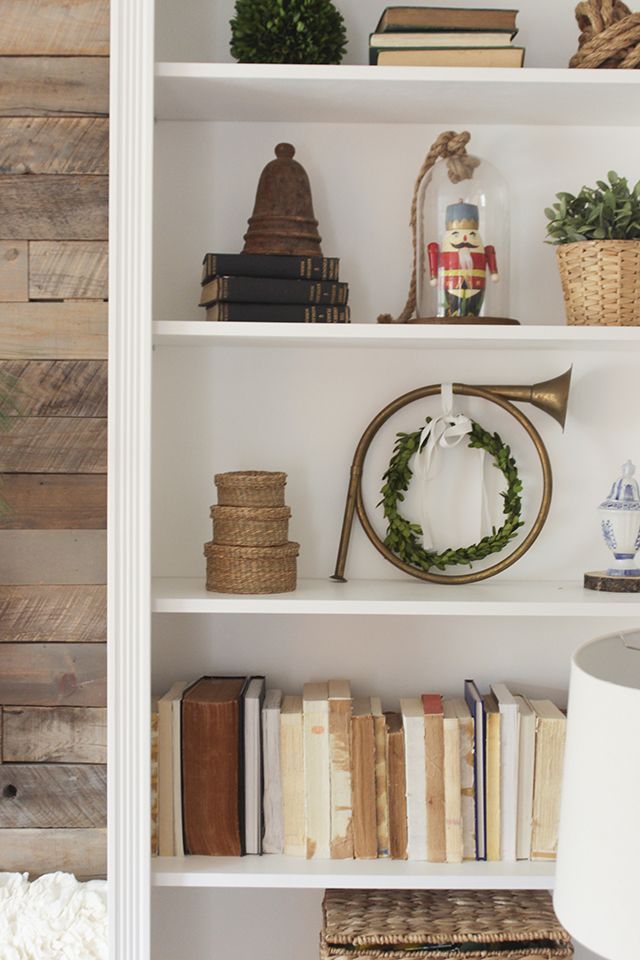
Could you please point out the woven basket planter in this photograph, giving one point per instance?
(251, 526)
(250, 488)
(251, 569)
(601, 281)
(423, 924)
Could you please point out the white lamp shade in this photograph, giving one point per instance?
(597, 892)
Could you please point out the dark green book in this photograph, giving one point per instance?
(272, 290)
(269, 265)
(277, 313)
(397, 19)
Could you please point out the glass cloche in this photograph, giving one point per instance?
(463, 242)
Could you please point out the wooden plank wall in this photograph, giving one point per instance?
(54, 79)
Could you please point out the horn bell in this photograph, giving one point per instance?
(552, 396)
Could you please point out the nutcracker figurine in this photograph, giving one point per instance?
(459, 268)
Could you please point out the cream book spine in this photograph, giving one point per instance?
(382, 785)
(315, 700)
(526, 765)
(273, 840)
(467, 777)
(434, 754)
(452, 784)
(167, 769)
(415, 775)
(292, 776)
(340, 769)
(551, 726)
(509, 749)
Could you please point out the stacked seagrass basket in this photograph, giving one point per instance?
(251, 551)
(424, 924)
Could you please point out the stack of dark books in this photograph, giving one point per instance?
(269, 288)
(445, 37)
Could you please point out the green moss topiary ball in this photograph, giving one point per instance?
(287, 31)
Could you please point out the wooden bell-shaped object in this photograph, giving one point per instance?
(283, 220)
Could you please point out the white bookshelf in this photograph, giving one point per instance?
(492, 598)
(189, 139)
(200, 333)
(362, 94)
(288, 873)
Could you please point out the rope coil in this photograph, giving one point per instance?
(609, 36)
(452, 147)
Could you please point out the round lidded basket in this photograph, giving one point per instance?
(251, 488)
(251, 526)
(601, 282)
(251, 569)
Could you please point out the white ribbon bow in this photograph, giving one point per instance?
(445, 431)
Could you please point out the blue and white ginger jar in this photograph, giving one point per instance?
(620, 521)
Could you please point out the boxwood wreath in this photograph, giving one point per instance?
(404, 537)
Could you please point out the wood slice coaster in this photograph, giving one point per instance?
(471, 321)
(601, 580)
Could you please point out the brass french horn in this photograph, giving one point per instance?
(551, 396)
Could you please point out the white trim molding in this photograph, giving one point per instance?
(130, 226)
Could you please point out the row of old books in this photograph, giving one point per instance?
(264, 288)
(445, 37)
(242, 769)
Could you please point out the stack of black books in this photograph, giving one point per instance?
(270, 288)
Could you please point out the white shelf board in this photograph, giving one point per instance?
(492, 598)
(199, 333)
(348, 94)
(279, 871)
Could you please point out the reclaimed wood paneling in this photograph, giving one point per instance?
(65, 270)
(39, 27)
(53, 674)
(54, 208)
(69, 145)
(14, 270)
(54, 86)
(66, 613)
(53, 331)
(54, 501)
(53, 556)
(52, 795)
(55, 388)
(54, 445)
(54, 735)
(82, 852)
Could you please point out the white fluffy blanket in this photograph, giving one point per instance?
(53, 918)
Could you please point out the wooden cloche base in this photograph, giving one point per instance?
(472, 321)
(601, 580)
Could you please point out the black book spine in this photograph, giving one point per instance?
(267, 265)
(277, 313)
(273, 290)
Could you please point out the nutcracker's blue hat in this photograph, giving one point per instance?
(464, 214)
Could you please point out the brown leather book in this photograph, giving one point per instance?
(434, 754)
(212, 768)
(363, 760)
(397, 787)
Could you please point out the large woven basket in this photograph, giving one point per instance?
(251, 569)
(251, 488)
(251, 526)
(601, 281)
(421, 924)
